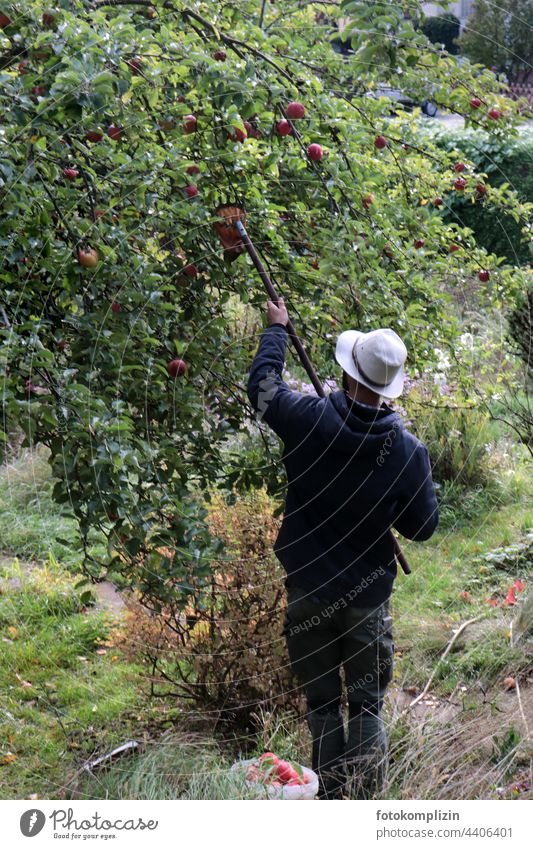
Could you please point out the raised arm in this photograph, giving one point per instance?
(286, 412)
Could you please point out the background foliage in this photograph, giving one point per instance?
(506, 162)
(443, 29)
(499, 35)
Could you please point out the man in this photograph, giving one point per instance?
(353, 473)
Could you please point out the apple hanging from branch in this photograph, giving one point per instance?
(295, 110)
(190, 124)
(315, 152)
(177, 368)
(88, 257)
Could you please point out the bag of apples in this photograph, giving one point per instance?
(278, 779)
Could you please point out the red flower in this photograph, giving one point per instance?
(510, 597)
(464, 594)
(519, 585)
(492, 602)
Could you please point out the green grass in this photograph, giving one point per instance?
(30, 521)
(429, 603)
(65, 693)
(179, 766)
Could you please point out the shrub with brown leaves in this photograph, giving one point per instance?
(225, 654)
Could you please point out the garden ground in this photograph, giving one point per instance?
(69, 693)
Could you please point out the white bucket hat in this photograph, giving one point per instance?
(374, 359)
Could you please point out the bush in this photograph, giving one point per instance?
(521, 330)
(226, 653)
(518, 406)
(504, 161)
(443, 29)
(458, 443)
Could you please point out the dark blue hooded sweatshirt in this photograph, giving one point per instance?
(353, 473)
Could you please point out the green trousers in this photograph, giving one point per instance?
(327, 640)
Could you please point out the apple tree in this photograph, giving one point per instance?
(126, 334)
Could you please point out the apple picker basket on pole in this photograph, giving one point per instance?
(235, 240)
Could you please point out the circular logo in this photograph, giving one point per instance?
(32, 822)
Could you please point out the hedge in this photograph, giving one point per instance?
(443, 29)
(503, 161)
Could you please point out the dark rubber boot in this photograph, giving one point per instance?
(366, 751)
(327, 729)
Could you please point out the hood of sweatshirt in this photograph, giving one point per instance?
(356, 428)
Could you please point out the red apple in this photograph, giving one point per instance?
(190, 124)
(270, 757)
(285, 771)
(71, 173)
(453, 248)
(315, 152)
(419, 243)
(494, 114)
(380, 142)
(4, 20)
(437, 201)
(295, 110)
(190, 270)
(475, 103)
(192, 169)
(368, 200)
(114, 132)
(484, 275)
(238, 135)
(248, 127)
(481, 188)
(94, 136)
(22, 66)
(191, 191)
(459, 184)
(134, 65)
(220, 55)
(459, 167)
(283, 128)
(115, 307)
(89, 258)
(48, 19)
(176, 368)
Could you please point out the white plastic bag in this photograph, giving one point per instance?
(294, 792)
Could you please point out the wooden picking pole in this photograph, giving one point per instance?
(295, 339)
